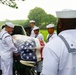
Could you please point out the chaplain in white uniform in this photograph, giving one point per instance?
(6, 49)
(59, 55)
(51, 33)
(32, 25)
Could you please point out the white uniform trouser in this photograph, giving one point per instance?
(7, 66)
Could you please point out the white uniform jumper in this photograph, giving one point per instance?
(6, 49)
(32, 32)
(59, 58)
(39, 36)
(50, 37)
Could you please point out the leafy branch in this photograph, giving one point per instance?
(10, 3)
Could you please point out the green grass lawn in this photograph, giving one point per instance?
(44, 33)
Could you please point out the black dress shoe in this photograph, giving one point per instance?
(0, 72)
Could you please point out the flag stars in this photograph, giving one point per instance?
(32, 43)
(24, 54)
(33, 57)
(27, 57)
(27, 44)
(30, 54)
(25, 48)
(30, 47)
(21, 46)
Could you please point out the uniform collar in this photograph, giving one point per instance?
(67, 31)
(52, 34)
(4, 30)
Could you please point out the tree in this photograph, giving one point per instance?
(38, 14)
(41, 17)
(52, 19)
(10, 3)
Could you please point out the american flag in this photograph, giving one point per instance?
(30, 49)
(27, 50)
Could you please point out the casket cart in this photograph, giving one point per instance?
(30, 52)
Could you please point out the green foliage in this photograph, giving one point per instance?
(26, 23)
(37, 14)
(44, 33)
(2, 23)
(17, 22)
(41, 17)
(52, 19)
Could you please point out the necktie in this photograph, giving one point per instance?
(48, 38)
(36, 35)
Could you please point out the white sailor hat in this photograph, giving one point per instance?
(50, 26)
(10, 24)
(32, 21)
(35, 28)
(66, 13)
